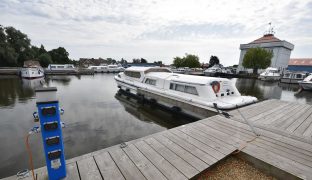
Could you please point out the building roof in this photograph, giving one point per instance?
(267, 38)
(300, 62)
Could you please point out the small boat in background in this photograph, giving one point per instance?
(32, 70)
(62, 67)
(293, 77)
(107, 69)
(270, 74)
(306, 84)
(213, 71)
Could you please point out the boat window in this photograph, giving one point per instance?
(60, 66)
(183, 88)
(52, 66)
(287, 75)
(179, 87)
(299, 76)
(133, 74)
(191, 90)
(150, 81)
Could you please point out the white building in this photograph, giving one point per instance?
(281, 50)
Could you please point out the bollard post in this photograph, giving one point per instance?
(51, 131)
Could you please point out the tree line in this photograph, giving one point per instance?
(16, 47)
(192, 61)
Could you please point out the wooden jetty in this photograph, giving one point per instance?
(283, 149)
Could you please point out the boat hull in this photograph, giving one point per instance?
(305, 85)
(32, 73)
(290, 80)
(270, 78)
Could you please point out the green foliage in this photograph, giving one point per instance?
(213, 61)
(15, 48)
(45, 59)
(189, 60)
(257, 58)
(59, 56)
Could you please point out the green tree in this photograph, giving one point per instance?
(59, 56)
(191, 61)
(178, 62)
(45, 59)
(213, 61)
(257, 58)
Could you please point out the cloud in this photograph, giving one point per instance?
(158, 29)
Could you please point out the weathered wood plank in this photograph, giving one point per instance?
(273, 115)
(188, 170)
(207, 158)
(301, 147)
(282, 151)
(257, 109)
(300, 117)
(240, 132)
(308, 122)
(72, 172)
(197, 163)
(281, 162)
(202, 146)
(161, 163)
(88, 169)
(126, 166)
(107, 166)
(145, 166)
(270, 112)
(290, 117)
(215, 143)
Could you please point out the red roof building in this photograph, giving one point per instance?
(281, 50)
(300, 62)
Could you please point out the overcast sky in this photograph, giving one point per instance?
(159, 29)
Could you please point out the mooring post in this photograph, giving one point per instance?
(51, 131)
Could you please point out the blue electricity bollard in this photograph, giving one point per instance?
(51, 130)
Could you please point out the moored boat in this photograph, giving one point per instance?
(293, 77)
(270, 74)
(306, 84)
(32, 70)
(204, 91)
(62, 68)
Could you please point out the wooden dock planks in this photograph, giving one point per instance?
(186, 151)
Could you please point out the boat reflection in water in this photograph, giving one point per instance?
(152, 114)
(33, 83)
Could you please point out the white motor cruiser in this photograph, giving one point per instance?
(32, 70)
(270, 74)
(306, 84)
(204, 91)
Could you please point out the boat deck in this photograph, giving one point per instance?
(184, 152)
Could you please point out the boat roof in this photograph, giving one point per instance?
(146, 69)
(183, 78)
(271, 68)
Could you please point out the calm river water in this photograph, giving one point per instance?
(94, 117)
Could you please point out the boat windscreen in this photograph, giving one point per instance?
(156, 70)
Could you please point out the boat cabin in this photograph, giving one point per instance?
(61, 67)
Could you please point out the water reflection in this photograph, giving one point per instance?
(272, 90)
(95, 118)
(13, 89)
(62, 80)
(152, 114)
